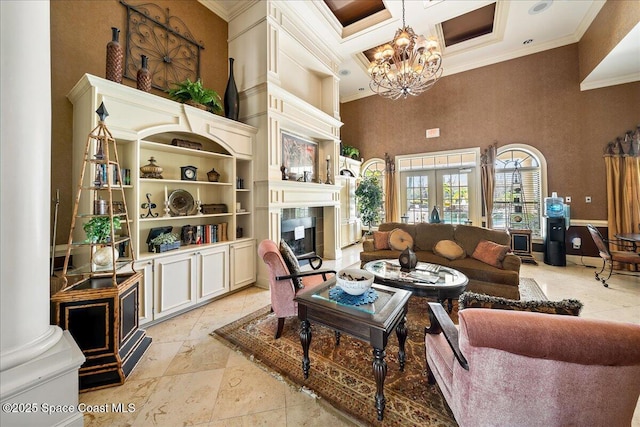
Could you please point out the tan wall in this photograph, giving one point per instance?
(80, 31)
(533, 100)
(613, 23)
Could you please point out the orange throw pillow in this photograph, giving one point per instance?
(490, 253)
(380, 240)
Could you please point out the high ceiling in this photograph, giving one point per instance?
(520, 28)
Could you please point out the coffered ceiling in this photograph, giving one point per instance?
(501, 30)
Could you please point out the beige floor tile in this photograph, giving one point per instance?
(246, 389)
(199, 355)
(265, 419)
(186, 399)
(156, 360)
(175, 329)
(98, 405)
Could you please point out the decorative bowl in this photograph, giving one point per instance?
(354, 281)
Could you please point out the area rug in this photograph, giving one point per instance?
(342, 375)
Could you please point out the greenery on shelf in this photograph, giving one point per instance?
(164, 239)
(187, 91)
(369, 198)
(98, 229)
(349, 151)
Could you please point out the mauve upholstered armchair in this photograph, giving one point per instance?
(281, 282)
(514, 368)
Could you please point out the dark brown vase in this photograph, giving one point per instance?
(114, 57)
(408, 260)
(231, 96)
(144, 76)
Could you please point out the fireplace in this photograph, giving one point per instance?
(300, 235)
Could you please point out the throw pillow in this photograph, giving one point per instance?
(292, 263)
(490, 253)
(380, 240)
(566, 306)
(399, 240)
(449, 249)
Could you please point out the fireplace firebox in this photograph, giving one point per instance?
(300, 235)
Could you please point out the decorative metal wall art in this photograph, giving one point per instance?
(172, 52)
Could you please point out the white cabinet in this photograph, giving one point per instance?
(146, 290)
(243, 260)
(213, 272)
(174, 284)
(175, 135)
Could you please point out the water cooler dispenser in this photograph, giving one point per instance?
(555, 251)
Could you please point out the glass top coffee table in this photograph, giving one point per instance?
(426, 280)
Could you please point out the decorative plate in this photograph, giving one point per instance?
(181, 203)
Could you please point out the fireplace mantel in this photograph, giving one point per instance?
(293, 194)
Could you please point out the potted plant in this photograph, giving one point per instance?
(165, 242)
(349, 151)
(98, 230)
(369, 198)
(193, 93)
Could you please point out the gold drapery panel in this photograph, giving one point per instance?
(390, 208)
(488, 178)
(622, 163)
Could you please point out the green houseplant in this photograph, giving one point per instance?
(165, 242)
(193, 93)
(369, 198)
(98, 230)
(349, 151)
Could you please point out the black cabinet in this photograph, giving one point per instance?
(555, 251)
(103, 319)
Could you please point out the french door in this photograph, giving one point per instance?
(451, 191)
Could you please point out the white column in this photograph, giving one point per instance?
(37, 361)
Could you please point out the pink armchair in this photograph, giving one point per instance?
(281, 283)
(507, 368)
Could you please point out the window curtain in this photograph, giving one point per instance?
(622, 163)
(390, 208)
(488, 177)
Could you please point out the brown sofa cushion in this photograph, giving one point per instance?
(380, 240)
(490, 253)
(400, 240)
(449, 249)
(427, 235)
(566, 306)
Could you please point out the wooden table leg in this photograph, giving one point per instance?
(379, 373)
(401, 332)
(305, 339)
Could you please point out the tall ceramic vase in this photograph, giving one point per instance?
(231, 96)
(144, 75)
(114, 57)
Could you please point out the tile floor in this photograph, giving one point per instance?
(189, 378)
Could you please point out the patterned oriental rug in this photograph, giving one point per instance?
(342, 375)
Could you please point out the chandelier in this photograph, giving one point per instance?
(408, 66)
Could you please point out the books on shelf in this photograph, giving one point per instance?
(205, 234)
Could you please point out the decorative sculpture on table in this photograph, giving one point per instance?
(408, 260)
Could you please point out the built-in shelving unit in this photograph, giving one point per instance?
(144, 126)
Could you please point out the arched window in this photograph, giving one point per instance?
(520, 188)
(376, 167)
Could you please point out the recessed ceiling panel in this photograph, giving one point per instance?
(469, 26)
(351, 11)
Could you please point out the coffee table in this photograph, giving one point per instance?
(371, 322)
(426, 280)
